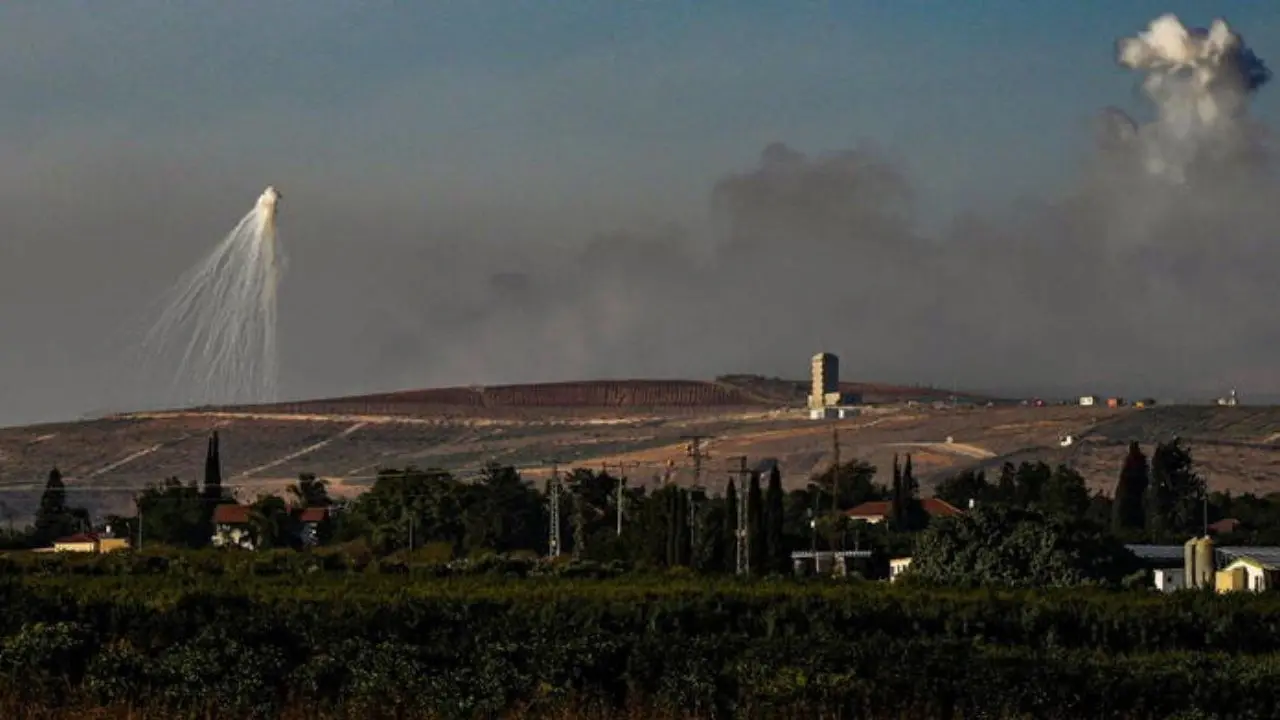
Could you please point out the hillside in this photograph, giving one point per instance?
(642, 425)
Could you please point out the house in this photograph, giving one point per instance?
(90, 543)
(1115, 402)
(1088, 400)
(1223, 526)
(309, 520)
(1247, 573)
(877, 510)
(897, 566)
(231, 527)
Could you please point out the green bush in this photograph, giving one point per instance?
(475, 642)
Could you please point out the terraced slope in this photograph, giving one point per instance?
(346, 440)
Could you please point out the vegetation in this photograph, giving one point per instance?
(430, 596)
(1012, 546)
(476, 643)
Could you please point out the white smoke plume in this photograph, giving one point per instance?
(1200, 81)
(216, 336)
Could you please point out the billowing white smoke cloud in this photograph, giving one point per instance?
(1200, 81)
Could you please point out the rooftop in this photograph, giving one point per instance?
(936, 507)
(228, 514)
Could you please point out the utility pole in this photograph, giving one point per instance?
(553, 492)
(622, 482)
(695, 452)
(743, 544)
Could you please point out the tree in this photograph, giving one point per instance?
(1030, 481)
(672, 501)
(1065, 493)
(1176, 494)
(1004, 545)
(430, 505)
(53, 518)
(759, 545)
(968, 485)
(897, 508)
(1127, 513)
(857, 485)
(906, 513)
(171, 513)
(271, 523)
(774, 510)
(503, 513)
(685, 519)
(1007, 486)
(213, 472)
(708, 547)
(310, 492)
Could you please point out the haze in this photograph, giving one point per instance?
(490, 192)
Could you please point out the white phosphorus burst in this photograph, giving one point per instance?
(1200, 82)
(216, 336)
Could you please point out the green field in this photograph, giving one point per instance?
(238, 635)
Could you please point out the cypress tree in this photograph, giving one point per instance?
(673, 525)
(730, 553)
(1131, 490)
(774, 518)
(688, 525)
(53, 517)
(896, 504)
(911, 509)
(759, 545)
(213, 471)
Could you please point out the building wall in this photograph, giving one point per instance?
(112, 544)
(1170, 579)
(897, 566)
(87, 547)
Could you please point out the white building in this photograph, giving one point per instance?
(1170, 579)
(1088, 400)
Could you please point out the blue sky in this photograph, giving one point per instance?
(132, 133)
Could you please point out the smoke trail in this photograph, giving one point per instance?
(221, 315)
(1200, 81)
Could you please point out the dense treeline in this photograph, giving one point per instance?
(464, 647)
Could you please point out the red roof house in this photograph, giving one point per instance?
(877, 510)
(228, 514)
